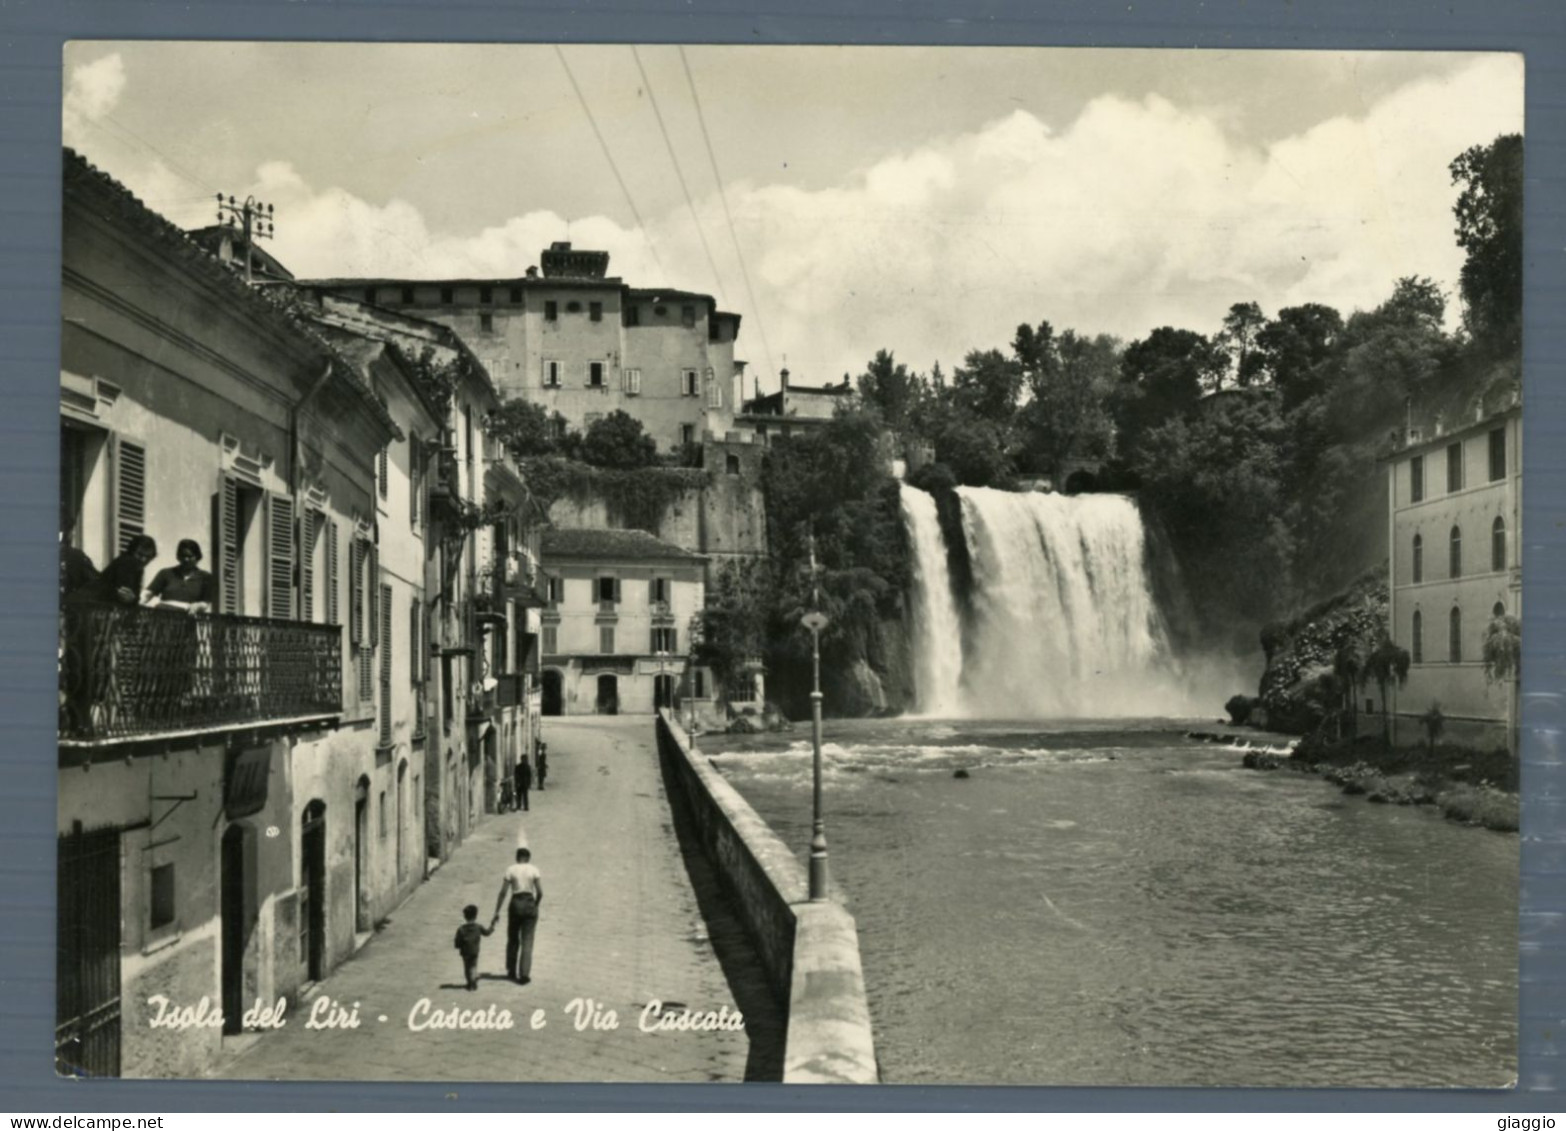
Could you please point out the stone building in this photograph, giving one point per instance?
(583, 343)
(793, 409)
(617, 625)
(220, 836)
(1455, 491)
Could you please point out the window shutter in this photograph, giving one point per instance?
(130, 492)
(332, 578)
(309, 531)
(415, 643)
(228, 543)
(373, 590)
(617, 597)
(280, 561)
(356, 592)
(386, 666)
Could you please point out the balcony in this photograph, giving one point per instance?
(128, 672)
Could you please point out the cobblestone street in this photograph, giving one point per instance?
(620, 926)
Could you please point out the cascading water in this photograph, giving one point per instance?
(937, 631)
(1060, 620)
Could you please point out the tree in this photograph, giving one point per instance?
(527, 429)
(618, 441)
(893, 390)
(1241, 326)
(1489, 214)
(1295, 349)
(1349, 667)
(1386, 663)
(1502, 654)
(1068, 416)
(1162, 377)
(988, 384)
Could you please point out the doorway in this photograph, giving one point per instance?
(312, 890)
(608, 702)
(553, 691)
(361, 849)
(664, 692)
(87, 982)
(236, 927)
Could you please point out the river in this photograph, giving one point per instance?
(1113, 904)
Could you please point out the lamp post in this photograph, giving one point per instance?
(815, 621)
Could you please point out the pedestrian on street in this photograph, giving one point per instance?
(523, 884)
(543, 764)
(469, 938)
(524, 776)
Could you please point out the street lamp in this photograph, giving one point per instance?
(815, 621)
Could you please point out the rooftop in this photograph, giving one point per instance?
(600, 544)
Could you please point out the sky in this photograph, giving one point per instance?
(843, 200)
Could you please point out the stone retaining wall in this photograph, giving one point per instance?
(810, 950)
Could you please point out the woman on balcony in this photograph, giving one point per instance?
(120, 582)
(185, 586)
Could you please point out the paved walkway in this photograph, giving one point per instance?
(621, 925)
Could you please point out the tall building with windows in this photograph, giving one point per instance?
(571, 337)
(617, 623)
(1455, 490)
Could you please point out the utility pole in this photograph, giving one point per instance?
(253, 217)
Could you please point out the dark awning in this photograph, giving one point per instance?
(244, 789)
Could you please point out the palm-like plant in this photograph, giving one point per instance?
(1349, 667)
(1385, 664)
(1502, 655)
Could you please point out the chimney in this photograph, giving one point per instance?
(783, 373)
(532, 272)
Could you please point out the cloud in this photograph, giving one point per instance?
(92, 91)
(1134, 214)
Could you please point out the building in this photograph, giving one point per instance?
(617, 626)
(224, 835)
(580, 342)
(792, 409)
(1455, 490)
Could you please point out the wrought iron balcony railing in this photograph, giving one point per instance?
(130, 672)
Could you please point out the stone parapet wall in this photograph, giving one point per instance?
(810, 950)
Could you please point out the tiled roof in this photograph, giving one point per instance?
(611, 544)
(81, 176)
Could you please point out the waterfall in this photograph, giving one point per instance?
(937, 632)
(1060, 620)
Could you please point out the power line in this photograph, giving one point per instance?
(750, 292)
(609, 157)
(125, 133)
(678, 173)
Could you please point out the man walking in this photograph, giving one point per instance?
(526, 890)
(524, 781)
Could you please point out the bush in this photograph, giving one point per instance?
(617, 441)
(932, 477)
(1240, 708)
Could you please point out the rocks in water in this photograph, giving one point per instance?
(961, 775)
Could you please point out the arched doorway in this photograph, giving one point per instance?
(553, 691)
(664, 692)
(312, 890)
(608, 701)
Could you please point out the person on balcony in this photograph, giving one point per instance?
(120, 582)
(187, 585)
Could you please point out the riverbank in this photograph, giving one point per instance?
(1473, 787)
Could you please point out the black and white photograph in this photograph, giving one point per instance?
(865, 565)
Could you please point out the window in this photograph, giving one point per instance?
(162, 893)
(1419, 559)
(595, 374)
(1498, 544)
(515, 295)
(416, 646)
(551, 374)
(665, 640)
(551, 311)
(1416, 479)
(731, 464)
(608, 590)
(551, 640)
(1454, 467)
(687, 316)
(555, 589)
(1416, 648)
(658, 592)
(486, 294)
(714, 330)
(486, 323)
(1497, 454)
(595, 311)
(633, 382)
(1455, 564)
(415, 484)
(573, 307)
(714, 394)
(687, 433)
(382, 470)
(383, 814)
(632, 315)
(407, 296)
(606, 639)
(447, 296)
(1454, 636)
(1498, 611)
(688, 382)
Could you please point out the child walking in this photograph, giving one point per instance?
(469, 936)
